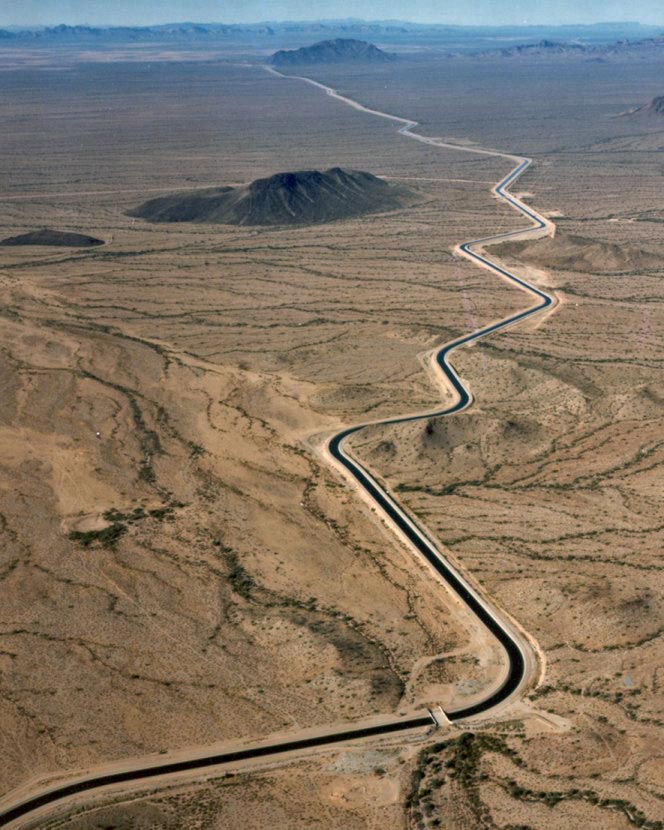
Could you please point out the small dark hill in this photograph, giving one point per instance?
(307, 197)
(341, 50)
(59, 239)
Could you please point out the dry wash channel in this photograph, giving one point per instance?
(20, 808)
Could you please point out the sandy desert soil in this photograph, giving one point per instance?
(242, 588)
(550, 488)
(180, 567)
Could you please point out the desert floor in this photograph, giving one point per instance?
(168, 387)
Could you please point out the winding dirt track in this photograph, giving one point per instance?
(37, 800)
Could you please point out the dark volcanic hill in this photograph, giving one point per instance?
(341, 50)
(54, 239)
(304, 198)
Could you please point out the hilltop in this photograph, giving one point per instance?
(339, 50)
(302, 198)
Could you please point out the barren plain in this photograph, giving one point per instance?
(179, 566)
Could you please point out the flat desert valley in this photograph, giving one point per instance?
(182, 566)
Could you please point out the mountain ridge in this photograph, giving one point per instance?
(546, 47)
(387, 29)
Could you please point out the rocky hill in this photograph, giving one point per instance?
(303, 198)
(340, 50)
(568, 252)
(52, 238)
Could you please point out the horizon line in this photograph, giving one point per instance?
(332, 20)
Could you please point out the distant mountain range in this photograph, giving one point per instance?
(306, 197)
(647, 46)
(596, 42)
(389, 31)
(340, 50)
(123, 33)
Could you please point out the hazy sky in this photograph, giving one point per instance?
(143, 12)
